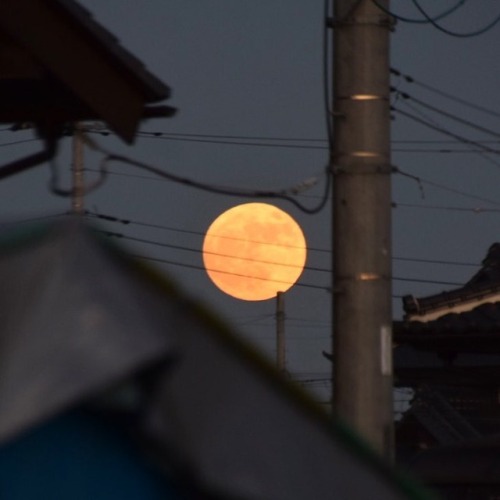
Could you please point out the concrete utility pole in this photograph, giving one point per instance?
(362, 316)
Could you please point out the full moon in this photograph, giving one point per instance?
(253, 251)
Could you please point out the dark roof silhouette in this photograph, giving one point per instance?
(57, 65)
(470, 314)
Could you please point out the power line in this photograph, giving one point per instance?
(197, 233)
(395, 205)
(476, 210)
(305, 285)
(460, 138)
(484, 150)
(114, 219)
(4, 144)
(228, 142)
(198, 251)
(201, 268)
(421, 181)
(443, 151)
(439, 141)
(283, 194)
(410, 79)
(432, 282)
(310, 268)
(444, 14)
(433, 261)
(452, 116)
(470, 34)
(157, 135)
(160, 134)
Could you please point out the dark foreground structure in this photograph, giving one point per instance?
(448, 351)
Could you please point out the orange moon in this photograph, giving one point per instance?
(253, 251)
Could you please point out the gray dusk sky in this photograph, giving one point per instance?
(253, 69)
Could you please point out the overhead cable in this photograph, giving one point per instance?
(444, 14)
(484, 148)
(283, 194)
(484, 151)
(452, 116)
(470, 34)
(199, 251)
(228, 140)
(3, 144)
(120, 220)
(201, 268)
(421, 180)
(410, 79)
(475, 210)
(310, 268)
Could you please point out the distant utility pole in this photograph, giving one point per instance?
(280, 333)
(78, 187)
(362, 316)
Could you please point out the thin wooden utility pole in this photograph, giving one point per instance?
(78, 186)
(362, 316)
(280, 332)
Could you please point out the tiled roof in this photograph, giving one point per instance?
(470, 314)
(484, 319)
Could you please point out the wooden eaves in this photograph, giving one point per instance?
(58, 65)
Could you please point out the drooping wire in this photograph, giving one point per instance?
(229, 191)
(444, 14)
(470, 34)
(55, 186)
(284, 194)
